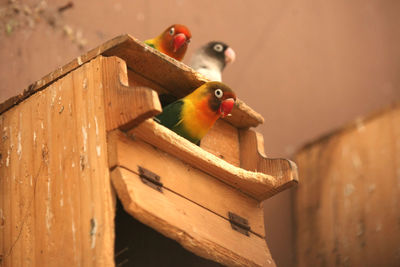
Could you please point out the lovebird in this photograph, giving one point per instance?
(211, 59)
(173, 41)
(192, 116)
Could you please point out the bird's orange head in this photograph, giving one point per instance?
(174, 41)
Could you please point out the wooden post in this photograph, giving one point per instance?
(347, 206)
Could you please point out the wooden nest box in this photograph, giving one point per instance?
(83, 136)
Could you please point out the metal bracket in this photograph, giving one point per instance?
(150, 178)
(238, 223)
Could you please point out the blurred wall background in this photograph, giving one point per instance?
(307, 66)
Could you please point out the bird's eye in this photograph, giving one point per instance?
(218, 47)
(172, 31)
(218, 93)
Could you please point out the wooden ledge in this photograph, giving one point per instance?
(255, 184)
(253, 158)
(174, 76)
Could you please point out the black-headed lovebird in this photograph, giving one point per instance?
(211, 59)
(172, 42)
(193, 115)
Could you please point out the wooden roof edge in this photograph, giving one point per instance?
(196, 79)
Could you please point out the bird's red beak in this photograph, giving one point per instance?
(226, 107)
(230, 55)
(179, 40)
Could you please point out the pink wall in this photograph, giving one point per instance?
(307, 66)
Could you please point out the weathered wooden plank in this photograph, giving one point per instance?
(62, 152)
(57, 209)
(197, 229)
(223, 141)
(11, 197)
(253, 158)
(184, 180)
(347, 206)
(3, 191)
(173, 76)
(257, 185)
(26, 186)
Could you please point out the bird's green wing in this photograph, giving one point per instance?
(150, 43)
(171, 115)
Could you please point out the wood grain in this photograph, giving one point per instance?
(184, 180)
(347, 206)
(223, 141)
(195, 228)
(56, 204)
(156, 68)
(255, 184)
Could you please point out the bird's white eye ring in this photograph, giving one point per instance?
(218, 93)
(172, 31)
(218, 47)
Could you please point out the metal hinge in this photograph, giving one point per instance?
(150, 178)
(239, 224)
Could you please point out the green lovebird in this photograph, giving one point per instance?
(192, 116)
(172, 42)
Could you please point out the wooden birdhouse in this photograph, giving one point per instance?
(83, 136)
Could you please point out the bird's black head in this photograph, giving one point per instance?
(220, 51)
